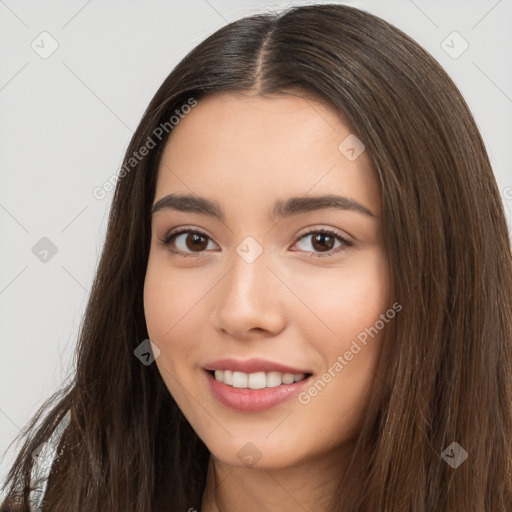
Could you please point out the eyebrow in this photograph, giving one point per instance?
(281, 209)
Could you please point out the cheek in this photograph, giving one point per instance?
(353, 303)
(173, 305)
(169, 297)
(347, 299)
(163, 309)
(157, 304)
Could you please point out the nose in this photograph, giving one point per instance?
(251, 300)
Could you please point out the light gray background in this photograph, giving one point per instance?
(65, 122)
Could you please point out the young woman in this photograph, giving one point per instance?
(304, 302)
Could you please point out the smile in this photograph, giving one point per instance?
(257, 380)
(247, 399)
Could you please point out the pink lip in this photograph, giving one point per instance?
(253, 400)
(252, 365)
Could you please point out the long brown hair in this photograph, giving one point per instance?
(445, 371)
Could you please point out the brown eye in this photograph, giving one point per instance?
(187, 243)
(322, 242)
(195, 241)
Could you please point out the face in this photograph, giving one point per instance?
(304, 285)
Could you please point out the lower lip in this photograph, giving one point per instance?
(251, 400)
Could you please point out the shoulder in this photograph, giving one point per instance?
(44, 456)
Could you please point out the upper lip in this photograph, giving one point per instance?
(252, 365)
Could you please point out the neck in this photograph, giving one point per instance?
(306, 486)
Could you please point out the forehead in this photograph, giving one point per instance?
(240, 149)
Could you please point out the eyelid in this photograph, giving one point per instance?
(181, 229)
(174, 233)
(308, 231)
(347, 244)
(314, 228)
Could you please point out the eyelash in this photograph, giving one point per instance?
(171, 236)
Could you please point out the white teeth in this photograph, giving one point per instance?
(257, 380)
(287, 378)
(274, 379)
(240, 379)
(228, 377)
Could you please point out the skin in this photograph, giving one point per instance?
(290, 305)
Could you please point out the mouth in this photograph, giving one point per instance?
(254, 384)
(256, 380)
(254, 392)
